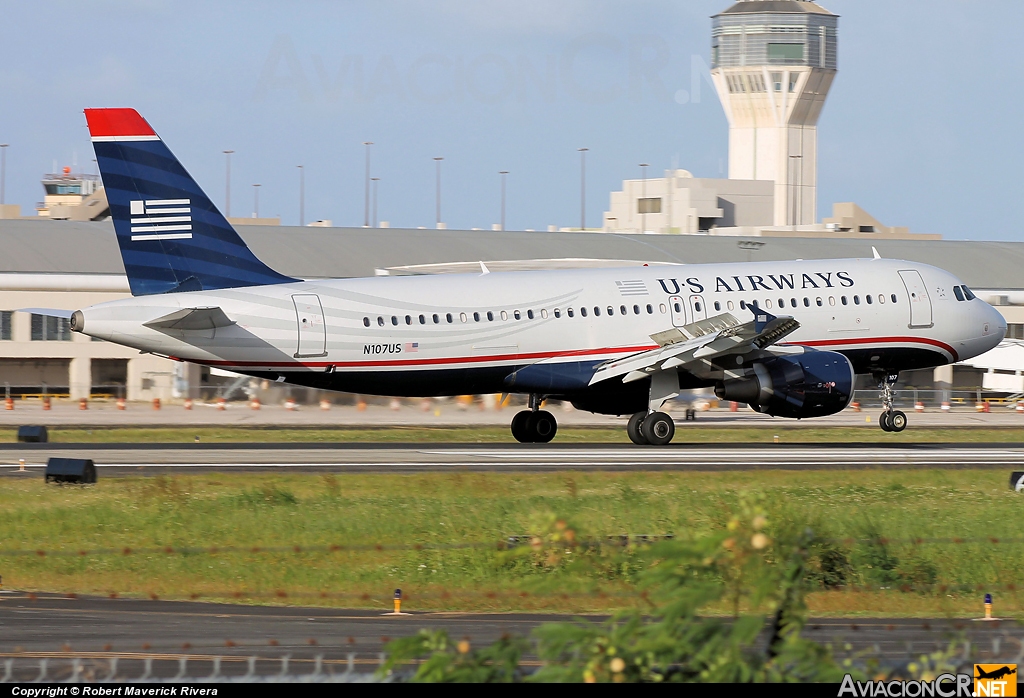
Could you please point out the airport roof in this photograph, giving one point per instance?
(70, 247)
(783, 6)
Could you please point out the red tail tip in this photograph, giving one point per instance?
(106, 123)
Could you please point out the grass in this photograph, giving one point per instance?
(685, 433)
(451, 509)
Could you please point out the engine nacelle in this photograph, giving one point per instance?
(812, 384)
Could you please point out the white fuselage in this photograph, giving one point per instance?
(461, 323)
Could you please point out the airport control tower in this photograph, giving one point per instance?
(773, 62)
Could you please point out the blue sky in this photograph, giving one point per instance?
(922, 127)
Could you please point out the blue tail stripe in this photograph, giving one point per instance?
(213, 257)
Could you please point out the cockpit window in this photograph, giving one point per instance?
(970, 295)
(958, 293)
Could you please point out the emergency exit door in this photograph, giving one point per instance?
(698, 311)
(920, 303)
(678, 311)
(309, 314)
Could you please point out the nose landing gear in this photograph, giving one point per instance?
(891, 420)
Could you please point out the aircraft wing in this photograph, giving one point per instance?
(701, 341)
(191, 319)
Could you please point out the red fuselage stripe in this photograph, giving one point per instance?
(536, 356)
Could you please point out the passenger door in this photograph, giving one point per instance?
(312, 331)
(920, 303)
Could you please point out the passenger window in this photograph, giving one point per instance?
(597, 311)
(623, 309)
(380, 321)
(856, 300)
(782, 303)
(583, 312)
(662, 308)
(844, 300)
(611, 311)
(490, 316)
(819, 301)
(869, 300)
(636, 309)
(394, 320)
(832, 300)
(517, 315)
(366, 320)
(569, 312)
(463, 317)
(476, 317)
(881, 298)
(792, 302)
(743, 305)
(650, 309)
(423, 320)
(437, 319)
(768, 303)
(558, 313)
(893, 296)
(504, 315)
(677, 307)
(718, 306)
(729, 305)
(448, 317)
(543, 313)
(408, 319)
(958, 293)
(529, 314)
(807, 302)
(696, 306)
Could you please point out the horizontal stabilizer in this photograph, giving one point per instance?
(51, 312)
(192, 319)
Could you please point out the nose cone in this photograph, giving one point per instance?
(994, 328)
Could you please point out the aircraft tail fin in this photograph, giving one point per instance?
(172, 237)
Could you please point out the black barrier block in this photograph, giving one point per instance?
(32, 434)
(77, 470)
(1015, 477)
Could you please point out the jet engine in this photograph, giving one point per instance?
(812, 384)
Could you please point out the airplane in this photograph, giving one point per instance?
(786, 338)
(995, 674)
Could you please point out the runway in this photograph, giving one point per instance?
(134, 459)
(59, 629)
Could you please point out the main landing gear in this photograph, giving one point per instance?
(534, 426)
(655, 429)
(890, 420)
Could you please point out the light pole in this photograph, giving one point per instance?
(302, 195)
(3, 170)
(503, 173)
(227, 184)
(366, 201)
(256, 200)
(643, 198)
(438, 161)
(376, 185)
(583, 187)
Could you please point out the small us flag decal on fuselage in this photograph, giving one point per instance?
(412, 346)
(161, 219)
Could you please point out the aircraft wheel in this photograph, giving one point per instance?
(658, 428)
(633, 429)
(542, 427)
(520, 427)
(883, 421)
(897, 421)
